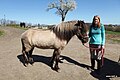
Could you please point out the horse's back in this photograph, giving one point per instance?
(32, 32)
(39, 38)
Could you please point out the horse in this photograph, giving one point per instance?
(22, 24)
(56, 38)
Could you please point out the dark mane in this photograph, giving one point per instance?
(65, 29)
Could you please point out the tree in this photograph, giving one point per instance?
(63, 7)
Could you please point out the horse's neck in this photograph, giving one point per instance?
(67, 37)
(64, 31)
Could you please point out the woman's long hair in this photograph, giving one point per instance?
(93, 24)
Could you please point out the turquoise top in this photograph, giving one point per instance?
(97, 35)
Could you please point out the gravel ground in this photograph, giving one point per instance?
(74, 67)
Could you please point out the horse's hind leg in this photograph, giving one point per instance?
(25, 58)
(25, 51)
(31, 61)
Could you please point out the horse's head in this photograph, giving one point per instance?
(81, 31)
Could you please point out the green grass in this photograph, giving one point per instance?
(112, 32)
(1, 32)
(113, 36)
(116, 41)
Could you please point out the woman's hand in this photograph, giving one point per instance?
(102, 47)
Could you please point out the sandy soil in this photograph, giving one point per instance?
(74, 67)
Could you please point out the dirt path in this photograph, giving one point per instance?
(74, 66)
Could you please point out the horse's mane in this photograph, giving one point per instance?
(65, 29)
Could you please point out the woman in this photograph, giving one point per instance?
(97, 42)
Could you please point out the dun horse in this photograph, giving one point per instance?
(56, 38)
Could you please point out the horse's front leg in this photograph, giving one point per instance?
(56, 67)
(53, 59)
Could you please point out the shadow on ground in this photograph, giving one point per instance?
(37, 58)
(46, 60)
(111, 68)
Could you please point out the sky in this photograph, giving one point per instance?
(34, 11)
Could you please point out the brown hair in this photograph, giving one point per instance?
(93, 24)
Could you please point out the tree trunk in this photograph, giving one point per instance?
(63, 18)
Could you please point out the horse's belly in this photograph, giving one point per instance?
(50, 44)
(43, 43)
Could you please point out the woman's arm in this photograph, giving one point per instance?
(103, 34)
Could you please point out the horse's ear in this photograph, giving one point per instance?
(79, 23)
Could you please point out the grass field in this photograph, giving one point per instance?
(113, 36)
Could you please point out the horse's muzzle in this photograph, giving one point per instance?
(85, 39)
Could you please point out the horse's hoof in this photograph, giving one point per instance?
(31, 60)
(56, 69)
(25, 64)
(52, 68)
(32, 63)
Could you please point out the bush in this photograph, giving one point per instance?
(111, 28)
